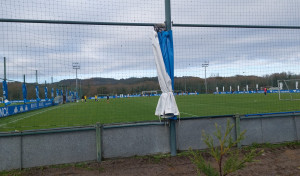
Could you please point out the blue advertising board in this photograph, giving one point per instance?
(16, 109)
(260, 91)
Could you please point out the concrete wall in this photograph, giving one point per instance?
(270, 129)
(58, 146)
(189, 132)
(46, 149)
(10, 153)
(135, 140)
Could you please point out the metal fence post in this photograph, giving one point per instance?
(173, 146)
(98, 142)
(21, 151)
(237, 128)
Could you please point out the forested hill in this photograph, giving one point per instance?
(95, 86)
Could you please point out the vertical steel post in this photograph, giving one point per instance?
(22, 88)
(237, 128)
(4, 69)
(168, 14)
(76, 84)
(21, 151)
(98, 142)
(36, 77)
(205, 81)
(173, 146)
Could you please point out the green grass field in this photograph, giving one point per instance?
(142, 109)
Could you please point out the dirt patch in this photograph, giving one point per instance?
(280, 161)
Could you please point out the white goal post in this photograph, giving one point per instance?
(147, 92)
(288, 89)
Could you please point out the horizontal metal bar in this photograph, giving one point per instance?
(274, 113)
(47, 131)
(206, 117)
(132, 125)
(235, 26)
(79, 22)
(270, 116)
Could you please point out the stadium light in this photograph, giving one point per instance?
(76, 66)
(205, 64)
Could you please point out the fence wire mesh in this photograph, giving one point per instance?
(218, 70)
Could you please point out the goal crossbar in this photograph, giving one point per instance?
(286, 91)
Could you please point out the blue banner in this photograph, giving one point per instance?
(57, 92)
(52, 92)
(46, 93)
(11, 110)
(5, 92)
(166, 45)
(37, 93)
(24, 90)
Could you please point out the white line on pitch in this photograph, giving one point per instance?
(31, 115)
(189, 114)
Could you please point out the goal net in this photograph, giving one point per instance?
(289, 89)
(149, 92)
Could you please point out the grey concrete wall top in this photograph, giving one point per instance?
(297, 126)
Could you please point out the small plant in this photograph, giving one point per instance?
(228, 158)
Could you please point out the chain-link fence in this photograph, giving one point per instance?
(97, 58)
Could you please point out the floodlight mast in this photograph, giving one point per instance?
(76, 66)
(205, 64)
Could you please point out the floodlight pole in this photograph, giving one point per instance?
(4, 69)
(206, 63)
(36, 77)
(76, 66)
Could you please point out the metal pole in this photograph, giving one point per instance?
(205, 81)
(173, 147)
(184, 84)
(36, 76)
(206, 63)
(235, 26)
(4, 69)
(98, 142)
(76, 82)
(237, 128)
(168, 14)
(78, 22)
(167, 4)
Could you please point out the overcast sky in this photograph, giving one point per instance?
(123, 52)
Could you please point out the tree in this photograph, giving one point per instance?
(234, 159)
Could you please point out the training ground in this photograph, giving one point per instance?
(142, 109)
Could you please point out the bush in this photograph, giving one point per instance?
(226, 147)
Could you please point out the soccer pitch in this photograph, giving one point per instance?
(142, 109)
